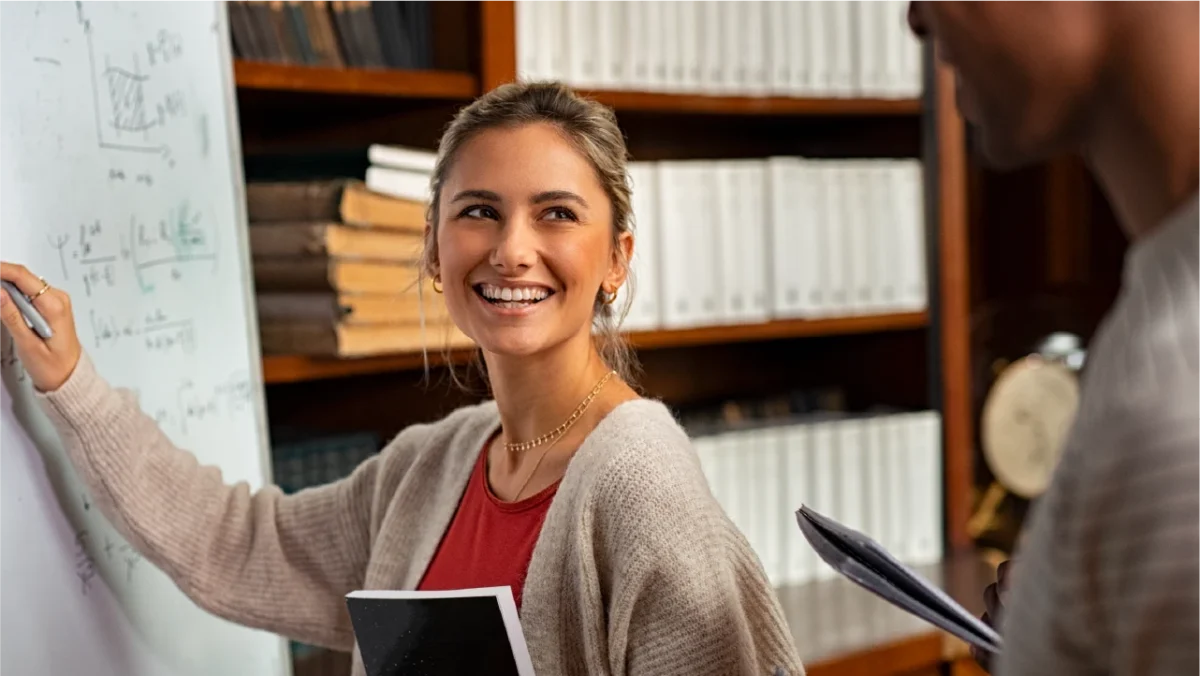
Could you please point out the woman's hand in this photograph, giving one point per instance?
(51, 361)
(994, 597)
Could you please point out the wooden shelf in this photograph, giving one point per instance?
(751, 105)
(909, 655)
(279, 369)
(779, 329)
(424, 84)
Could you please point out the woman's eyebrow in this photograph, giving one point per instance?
(556, 195)
(477, 195)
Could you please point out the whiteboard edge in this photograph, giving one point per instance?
(233, 139)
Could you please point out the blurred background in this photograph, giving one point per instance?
(840, 302)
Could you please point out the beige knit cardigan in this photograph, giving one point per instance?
(637, 569)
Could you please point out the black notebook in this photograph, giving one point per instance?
(468, 631)
(870, 566)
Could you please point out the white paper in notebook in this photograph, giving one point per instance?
(861, 560)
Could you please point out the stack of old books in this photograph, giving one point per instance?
(336, 271)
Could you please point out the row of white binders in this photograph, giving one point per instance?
(880, 475)
(746, 241)
(836, 49)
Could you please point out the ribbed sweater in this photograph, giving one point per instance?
(637, 569)
(1108, 581)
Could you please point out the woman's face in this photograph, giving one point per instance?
(524, 240)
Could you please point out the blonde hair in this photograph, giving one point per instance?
(592, 129)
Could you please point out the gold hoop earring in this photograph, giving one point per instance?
(609, 299)
(437, 282)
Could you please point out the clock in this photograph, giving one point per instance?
(1026, 418)
(1027, 356)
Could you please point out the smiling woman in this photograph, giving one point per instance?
(585, 499)
(543, 165)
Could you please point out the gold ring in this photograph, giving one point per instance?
(44, 289)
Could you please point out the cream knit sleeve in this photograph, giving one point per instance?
(277, 562)
(691, 596)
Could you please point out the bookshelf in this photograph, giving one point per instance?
(296, 368)
(410, 84)
(911, 359)
(694, 104)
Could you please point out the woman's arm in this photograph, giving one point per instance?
(277, 562)
(263, 559)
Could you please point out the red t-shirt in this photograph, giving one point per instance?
(489, 542)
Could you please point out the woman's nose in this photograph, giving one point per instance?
(516, 246)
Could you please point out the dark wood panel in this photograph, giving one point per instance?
(657, 136)
(412, 84)
(873, 369)
(454, 43)
(954, 310)
(291, 122)
(698, 104)
(1047, 255)
(498, 42)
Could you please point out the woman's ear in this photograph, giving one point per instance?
(430, 255)
(618, 271)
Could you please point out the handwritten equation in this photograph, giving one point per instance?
(113, 554)
(194, 404)
(118, 175)
(103, 256)
(166, 47)
(154, 331)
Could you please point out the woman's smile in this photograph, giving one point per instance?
(512, 300)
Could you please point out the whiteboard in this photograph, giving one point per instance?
(120, 182)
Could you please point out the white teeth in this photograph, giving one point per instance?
(513, 295)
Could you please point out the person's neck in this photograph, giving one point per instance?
(535, 394)
(1142, 141)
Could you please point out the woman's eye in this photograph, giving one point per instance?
(479, 211)
(560, 214)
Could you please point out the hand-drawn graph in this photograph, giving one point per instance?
(128, 112)
(127, 98)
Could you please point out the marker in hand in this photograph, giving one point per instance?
(49, 357)
(28, 311)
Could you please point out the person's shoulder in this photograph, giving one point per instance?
(1135, 436)
(639, 435)
(640, 461)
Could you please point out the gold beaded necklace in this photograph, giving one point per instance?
(554, 434)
